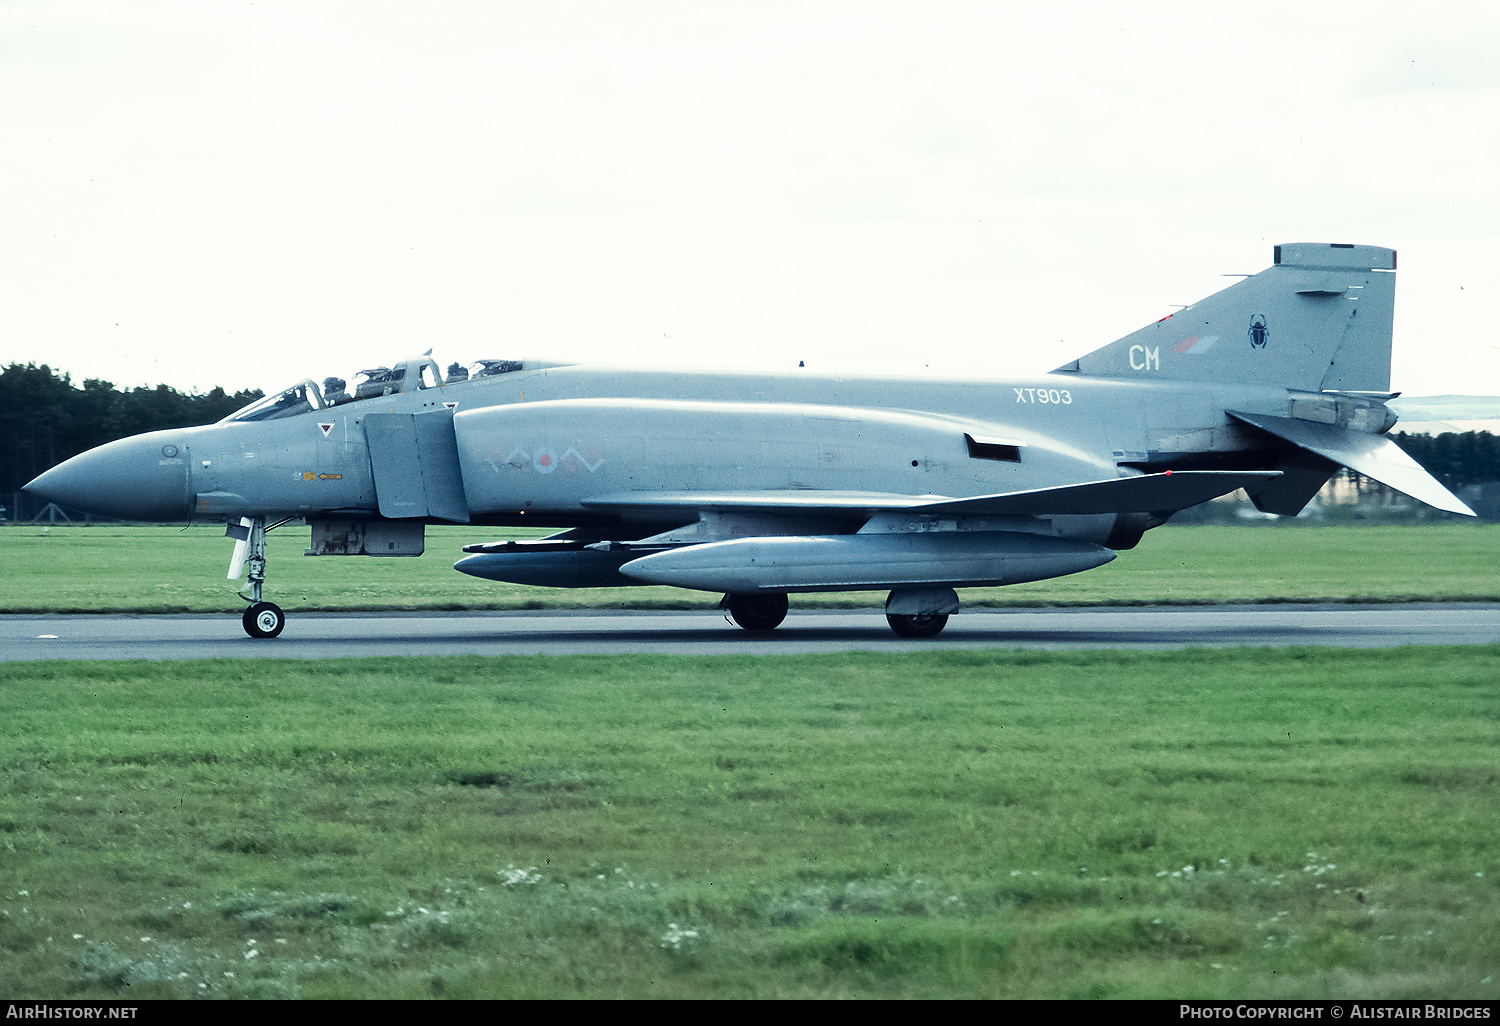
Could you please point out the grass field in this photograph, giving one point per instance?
(1217, 823)
(168, 569)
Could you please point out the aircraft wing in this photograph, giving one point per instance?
(1374, 456)
(1168, 491)
(1147, 493)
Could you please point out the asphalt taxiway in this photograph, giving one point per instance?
(608, 632)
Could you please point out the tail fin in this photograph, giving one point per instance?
(1319, 319)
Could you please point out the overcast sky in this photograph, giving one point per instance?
(243, 194)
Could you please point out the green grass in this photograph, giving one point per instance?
(167, 569)
(1003, 824)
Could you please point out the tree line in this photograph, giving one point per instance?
(45, 418)
(1456, 459)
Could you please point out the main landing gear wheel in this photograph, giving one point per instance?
(925, 625)
(755, 611)
(264, 620)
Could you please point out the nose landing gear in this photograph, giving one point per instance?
(261, 619)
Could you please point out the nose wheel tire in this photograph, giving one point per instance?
(264, 620)
(757, 612)
(927, 625)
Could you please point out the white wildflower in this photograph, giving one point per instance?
(78, 936)
(530, 876)
(252, 953)
(676, 937)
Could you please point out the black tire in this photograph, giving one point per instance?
(263, 620)
(758, 611)
(925, 625)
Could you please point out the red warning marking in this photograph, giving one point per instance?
(450, 406)
(326, 428)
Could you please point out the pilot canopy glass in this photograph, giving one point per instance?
(374, 382)
(299, 398)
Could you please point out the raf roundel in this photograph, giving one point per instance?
(545, 461)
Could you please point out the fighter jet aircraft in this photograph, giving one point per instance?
(758, 485)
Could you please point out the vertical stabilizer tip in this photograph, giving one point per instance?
(1334, 255)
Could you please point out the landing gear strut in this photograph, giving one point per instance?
(262, 619)
(756, 611)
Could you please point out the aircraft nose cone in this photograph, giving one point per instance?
(139, 478)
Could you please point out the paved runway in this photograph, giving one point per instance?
(568, 632)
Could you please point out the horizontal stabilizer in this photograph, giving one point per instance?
(1374, 456)
(1148, 493)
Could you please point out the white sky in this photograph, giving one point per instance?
(242, 194)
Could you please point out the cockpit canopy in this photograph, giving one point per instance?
(407, 375)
